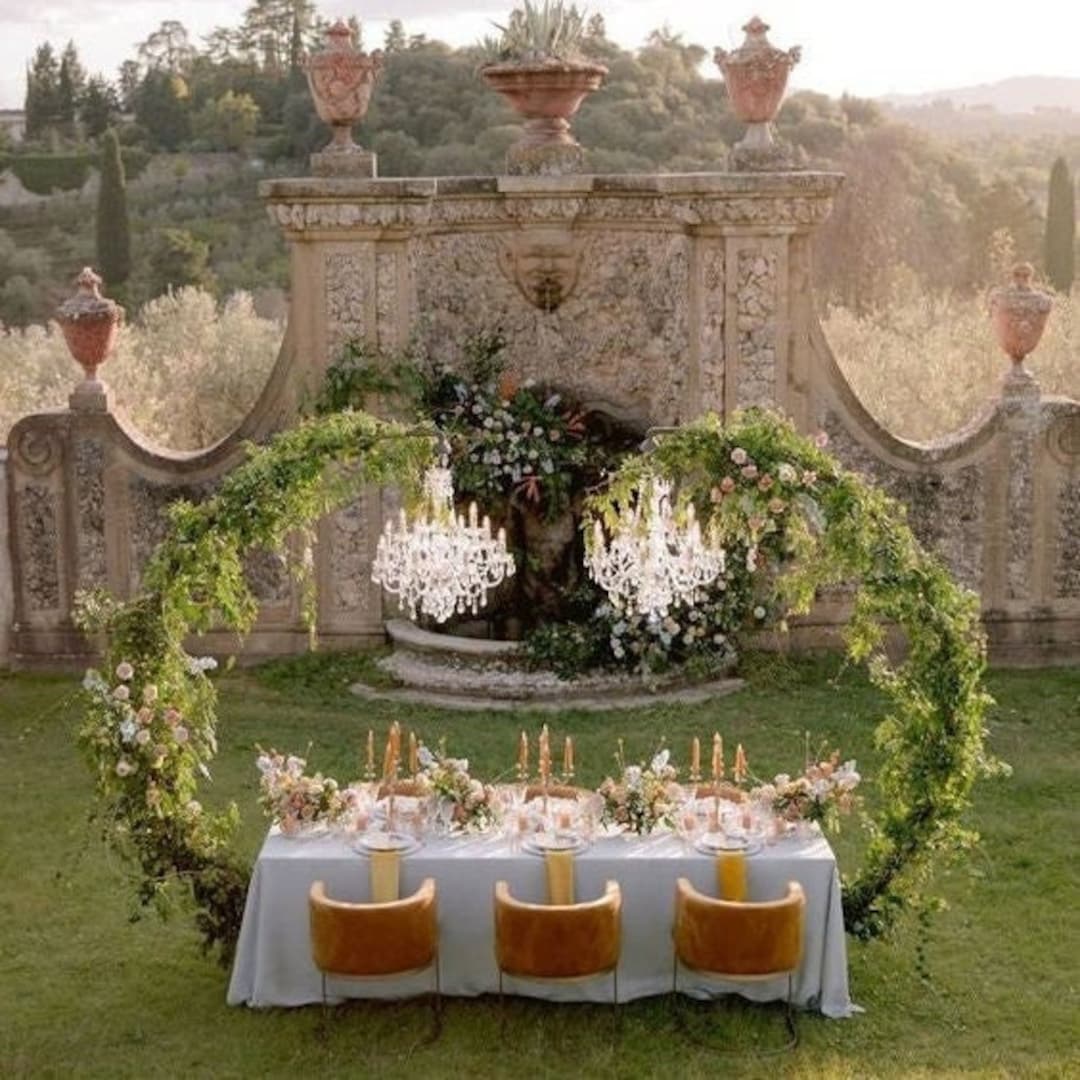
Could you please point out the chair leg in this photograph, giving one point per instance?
(789, 1015)
(324, 1014)
(436, 1004)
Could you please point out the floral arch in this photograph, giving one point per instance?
(790, 516)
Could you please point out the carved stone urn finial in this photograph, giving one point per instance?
(546, 94)
(756, 75)
(341, 78)
(90, 323)
(1019, 312)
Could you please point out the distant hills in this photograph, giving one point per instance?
(1021, 94)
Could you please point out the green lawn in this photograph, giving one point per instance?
(83, 990)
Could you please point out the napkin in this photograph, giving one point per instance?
(560, 876)
(731, 875)
(385, 871)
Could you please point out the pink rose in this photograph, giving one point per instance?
(821, 440)
(739, 456)
(142, 736)
(776, 506)
(749, 471)
(765, 482)
(727, 485)
(180, 734)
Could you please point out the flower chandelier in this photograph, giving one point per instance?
(652, 561)
(440, 563)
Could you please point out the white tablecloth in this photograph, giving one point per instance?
(273, 960)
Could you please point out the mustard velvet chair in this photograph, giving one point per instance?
(740, 941)
(558, 942)
(376, 941)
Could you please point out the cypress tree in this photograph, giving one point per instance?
(1060, 252)
(113, 235)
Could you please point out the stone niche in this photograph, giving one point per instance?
(651, 298)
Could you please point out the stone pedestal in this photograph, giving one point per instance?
(91, 395)
(355, 163)
(553, 159)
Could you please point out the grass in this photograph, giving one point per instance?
(87, 992)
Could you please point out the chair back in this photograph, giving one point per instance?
(373, 939)
(728, 792)
(557, 941)
(554, 791)
(410, 789)
(725, 937)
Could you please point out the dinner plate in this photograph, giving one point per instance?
(368, 842)
(542, 843)
(717, 843)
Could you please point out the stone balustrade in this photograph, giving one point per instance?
(654, 298)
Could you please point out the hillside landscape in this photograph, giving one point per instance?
(943, 192)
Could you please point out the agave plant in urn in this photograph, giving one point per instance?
(341, 78)
(538, 66)
(90, 323)
(1019, 312)
(756, 76)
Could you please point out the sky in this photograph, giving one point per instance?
(865, 47)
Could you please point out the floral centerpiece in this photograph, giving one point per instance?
(465, 803)
(294, 801)
(644, 797)
(824, 791)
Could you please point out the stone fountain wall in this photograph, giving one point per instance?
(655, 298)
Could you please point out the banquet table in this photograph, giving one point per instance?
(273, 963)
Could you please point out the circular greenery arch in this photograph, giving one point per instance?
(793, 521)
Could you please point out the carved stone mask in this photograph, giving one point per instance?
(544, 265)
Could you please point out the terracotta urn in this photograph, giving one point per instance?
(90, 323)
(756, 76)
(341, 78)
(547, 94)
(1019, 312)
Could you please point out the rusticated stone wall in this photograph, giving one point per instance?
(655, 298)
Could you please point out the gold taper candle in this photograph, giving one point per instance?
(523, 756)
(371, 752)
(414, 759)
(740, 764)
(717, 756)
(545, 753)
(568, 756)
(695, 759)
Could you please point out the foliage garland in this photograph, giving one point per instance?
(806, 521)
(195, 581)
(838, 530)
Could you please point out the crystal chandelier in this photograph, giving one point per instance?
(651, 561)
(440, 563)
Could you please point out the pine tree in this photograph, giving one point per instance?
(1060, 250)
(69, 89)
(42, 93)
(113, 234)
